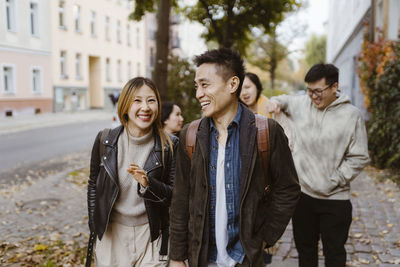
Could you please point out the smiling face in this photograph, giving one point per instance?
(214, 93)
(143, 111)
(249, 92)
(322, 94)
(174, 122)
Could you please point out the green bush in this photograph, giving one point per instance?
(379, 72)
(384, 125)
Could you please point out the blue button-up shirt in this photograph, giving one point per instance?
(232, 189)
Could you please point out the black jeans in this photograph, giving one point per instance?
(329, 219)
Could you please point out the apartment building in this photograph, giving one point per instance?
(25, 57)
(150, 39)
(95, 50)
(345, 37)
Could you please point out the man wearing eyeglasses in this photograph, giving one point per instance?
(329, 150)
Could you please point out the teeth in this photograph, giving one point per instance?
(204, 104)
(144, 116)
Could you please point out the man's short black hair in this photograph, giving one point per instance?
(319, 71)
(229, 63)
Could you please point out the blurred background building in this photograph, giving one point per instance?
(71, 55)
(25, 57)
(346, 26)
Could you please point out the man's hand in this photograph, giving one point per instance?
(177, 264)
(272, 107)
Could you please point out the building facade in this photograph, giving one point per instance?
(25, 57)
(346, 26)
(96, 49)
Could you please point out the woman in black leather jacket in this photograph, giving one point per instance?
(130, 185)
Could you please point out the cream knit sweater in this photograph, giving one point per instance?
(129, 208)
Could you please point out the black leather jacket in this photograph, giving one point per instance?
(103, 189)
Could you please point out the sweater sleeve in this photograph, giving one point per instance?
(283, 101)
(356, 156)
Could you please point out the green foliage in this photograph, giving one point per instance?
(384, 125)
(379, 73)
(316, 50)
(141, 7)
(181, 88)
(229, 23)
(267, 52)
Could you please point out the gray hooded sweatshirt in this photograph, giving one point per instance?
(330, 146)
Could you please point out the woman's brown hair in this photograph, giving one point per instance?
(125, 102)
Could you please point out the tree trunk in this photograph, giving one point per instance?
(160, 75)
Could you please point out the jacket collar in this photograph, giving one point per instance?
(247, 139)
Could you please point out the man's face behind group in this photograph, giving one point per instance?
(212, 90)
(322, 94)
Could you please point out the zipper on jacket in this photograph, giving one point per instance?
(113, 199)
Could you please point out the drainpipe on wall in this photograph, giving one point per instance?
(372, 22)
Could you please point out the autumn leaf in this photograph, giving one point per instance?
(40, 247)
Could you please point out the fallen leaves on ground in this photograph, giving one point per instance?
(46, 253)
(79, 177)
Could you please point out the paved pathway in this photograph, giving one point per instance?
(374, 234)
(55, 207)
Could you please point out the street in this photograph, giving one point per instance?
(47, 149)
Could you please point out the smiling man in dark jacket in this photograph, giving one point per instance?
(221, 214)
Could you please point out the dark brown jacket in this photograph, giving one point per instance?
(260, 218)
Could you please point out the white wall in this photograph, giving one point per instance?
(344, 17)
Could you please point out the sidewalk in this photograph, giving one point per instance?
(374, 238)
(24, 122)
(62, 213)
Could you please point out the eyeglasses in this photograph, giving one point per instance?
(318, 92)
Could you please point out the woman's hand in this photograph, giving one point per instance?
(139, 174)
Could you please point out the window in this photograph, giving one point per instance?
(8, 79)
(119, 31)
(138, 69)
(108, 70)
(129, 70)
(128, 34)
(137, 38)
(93, 23)
(11, 15)
(77, 18)
(151, 57)
(34, 18)
(78, 66)
(119, 70)
(63, 64)
(36, 80)
(107, 27)
(61, 14)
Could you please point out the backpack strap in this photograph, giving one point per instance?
(263, 147)
(191, 137)
(103, 137)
